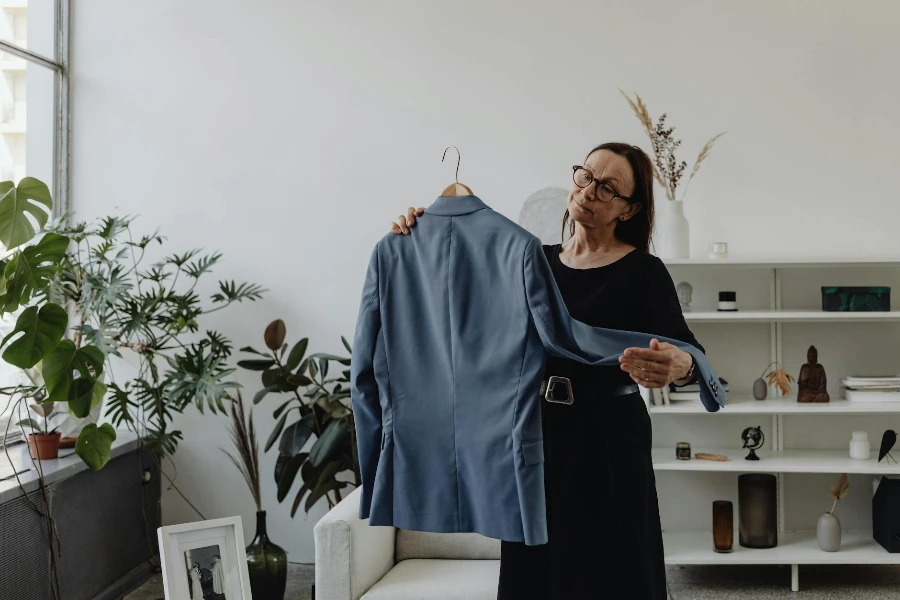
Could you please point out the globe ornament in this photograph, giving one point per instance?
(754, 439)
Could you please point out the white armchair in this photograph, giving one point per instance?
(356, 561)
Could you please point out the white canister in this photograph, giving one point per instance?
(859, 445)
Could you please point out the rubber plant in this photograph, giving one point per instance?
(317, 407)
(59, 367)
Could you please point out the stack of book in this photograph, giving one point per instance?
(871, 389)
(688, 393)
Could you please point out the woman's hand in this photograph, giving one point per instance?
(656, 366)
(403, 223)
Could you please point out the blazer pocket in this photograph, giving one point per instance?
(533, 451)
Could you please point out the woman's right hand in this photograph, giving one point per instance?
(403, 223)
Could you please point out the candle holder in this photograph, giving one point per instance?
(723, 526)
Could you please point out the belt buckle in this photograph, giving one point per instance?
(554, 380)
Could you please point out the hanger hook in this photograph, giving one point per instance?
(458, 159)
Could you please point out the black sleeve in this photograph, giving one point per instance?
(662, 308)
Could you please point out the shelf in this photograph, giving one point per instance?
(777, 263)
(696, 548)
(778, 461)
(774, 316)
(786, 405)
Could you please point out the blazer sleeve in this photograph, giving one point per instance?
(563, 336)
(363, 385)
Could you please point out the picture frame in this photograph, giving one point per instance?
(204, 560)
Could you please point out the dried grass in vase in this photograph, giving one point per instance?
(839, 490)
(667, 170)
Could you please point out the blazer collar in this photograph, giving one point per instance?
(460, 205)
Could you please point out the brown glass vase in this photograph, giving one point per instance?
(723, 526)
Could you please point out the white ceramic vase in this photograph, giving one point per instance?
(673, 235)
(828, 532)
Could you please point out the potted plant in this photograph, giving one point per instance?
(266, 561)
(57, 369)
(319, 409)
(671, 224)
(828, 528)
(43, 442)
(776, 377)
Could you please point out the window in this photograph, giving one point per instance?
(33, 113)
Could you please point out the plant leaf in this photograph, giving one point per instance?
(256, 364)
(331, 439)
(347, 345)
(42, 330)
(273, 437)
(94, 445)
(30, 273)
(296, 355)
(296, 435)
(262, 393)
(30, 196)
(34, 425)
(274, 335)
(60, 366)
(253, 350)
(290, 472)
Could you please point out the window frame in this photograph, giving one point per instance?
(62, 112)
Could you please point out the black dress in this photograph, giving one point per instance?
(602, 513)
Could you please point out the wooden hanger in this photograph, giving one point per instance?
(455, 189)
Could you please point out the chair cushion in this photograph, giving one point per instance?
(438, 580)
(427, 544)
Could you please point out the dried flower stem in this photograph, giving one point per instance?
(667, 170)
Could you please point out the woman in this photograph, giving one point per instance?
(602, 512)
(195, 585)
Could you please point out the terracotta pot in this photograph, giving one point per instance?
(44, 447)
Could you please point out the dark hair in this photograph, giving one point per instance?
(636, 230)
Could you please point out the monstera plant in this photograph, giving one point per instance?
(317, 407)
(58, 369)
(83, 294)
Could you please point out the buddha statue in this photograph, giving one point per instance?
(812, 382)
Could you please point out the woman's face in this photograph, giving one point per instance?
(610, 169)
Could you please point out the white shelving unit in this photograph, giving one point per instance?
(695, 547)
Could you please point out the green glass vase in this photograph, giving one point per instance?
(267, 564)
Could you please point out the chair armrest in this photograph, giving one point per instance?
(351, 555)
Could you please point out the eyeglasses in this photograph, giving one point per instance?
(583, 178)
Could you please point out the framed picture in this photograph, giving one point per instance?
(205, 560)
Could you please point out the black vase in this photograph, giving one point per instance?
(266, 563)
(758, 510)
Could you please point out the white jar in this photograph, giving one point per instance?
(859, 445)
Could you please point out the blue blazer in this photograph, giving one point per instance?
(455, 325)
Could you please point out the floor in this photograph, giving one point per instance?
(858, 582)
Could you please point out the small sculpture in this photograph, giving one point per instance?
(684, 291)
(754, 439)
(811, 383)
(887, 443)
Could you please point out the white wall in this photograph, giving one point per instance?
(288, 134)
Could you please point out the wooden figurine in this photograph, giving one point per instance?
(812, 382)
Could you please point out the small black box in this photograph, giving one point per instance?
(856, 299)
(886, 514)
